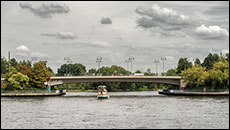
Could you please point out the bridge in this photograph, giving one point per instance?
(173, 80)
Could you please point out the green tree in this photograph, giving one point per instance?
(183, 64)
(4, 66)
(72, 69)
(210, 60)
(148, 73)
(195, 77)
(39, 75)
(18, 81)
(227, 56)
(50, 71)
(172, 72)
(138, 71)
(27, 63)
(14, 63)
(197, 61)
(219, 75)
(92, 70)
(79, 69)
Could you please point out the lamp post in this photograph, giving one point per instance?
(127, 61)
(98, 60)
(68, 61)
(131, 59)
(34, 59)
(9, 62)
(163, 58)
(156, 61)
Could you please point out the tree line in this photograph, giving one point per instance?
(213, 74)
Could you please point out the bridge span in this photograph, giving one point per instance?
(173, 80)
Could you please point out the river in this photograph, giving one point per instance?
(137, 110)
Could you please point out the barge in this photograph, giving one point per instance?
(187, 93)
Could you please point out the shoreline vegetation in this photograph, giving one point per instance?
(211, 75)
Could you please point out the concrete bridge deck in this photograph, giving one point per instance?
(174, 80)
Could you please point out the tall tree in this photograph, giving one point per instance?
(197, 61)
(4, 66)
(39, 75)
(71, 69)
(14, 63)
(92, 70)
(183, 64)
(172, 72)
(18, 81)
(210, 60)
(24, 69)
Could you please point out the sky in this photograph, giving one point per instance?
(115, 31)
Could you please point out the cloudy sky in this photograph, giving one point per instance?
(114, 30)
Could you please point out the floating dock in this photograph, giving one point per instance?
(186, 93)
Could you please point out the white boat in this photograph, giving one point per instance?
(102, 92)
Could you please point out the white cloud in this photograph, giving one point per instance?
(61, 35)
(46, 10)
(100, 44)
(211, 32)
(169, 58)
(163, 18)
(23, 48)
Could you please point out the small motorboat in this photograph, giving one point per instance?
(102, 92)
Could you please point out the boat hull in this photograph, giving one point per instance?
(103, 96)
(183, 93)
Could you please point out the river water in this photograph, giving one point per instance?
(138, 110)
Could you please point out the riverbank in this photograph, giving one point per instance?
(34, 94)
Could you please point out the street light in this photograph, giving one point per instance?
(131, 59)
(127, 61)
(163, 58)
(68, 61)
(98, 60)
(156, 61)
(34, 59)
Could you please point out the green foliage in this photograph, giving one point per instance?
(39, 75)
(227, 57)
(210, 60)
(113, 70)
(138, 71)
(172, 72)
(18, 81)
(183, 64)
(71, 69)
(148, 73)
(216, 78)
(92, 70)
(219, 75)
(14, 63)
(4, 66)
(195, 77)
(27, 63)
(197, 61)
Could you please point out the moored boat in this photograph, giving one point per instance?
(187, 93)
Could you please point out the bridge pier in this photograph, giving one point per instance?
(182, 84)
